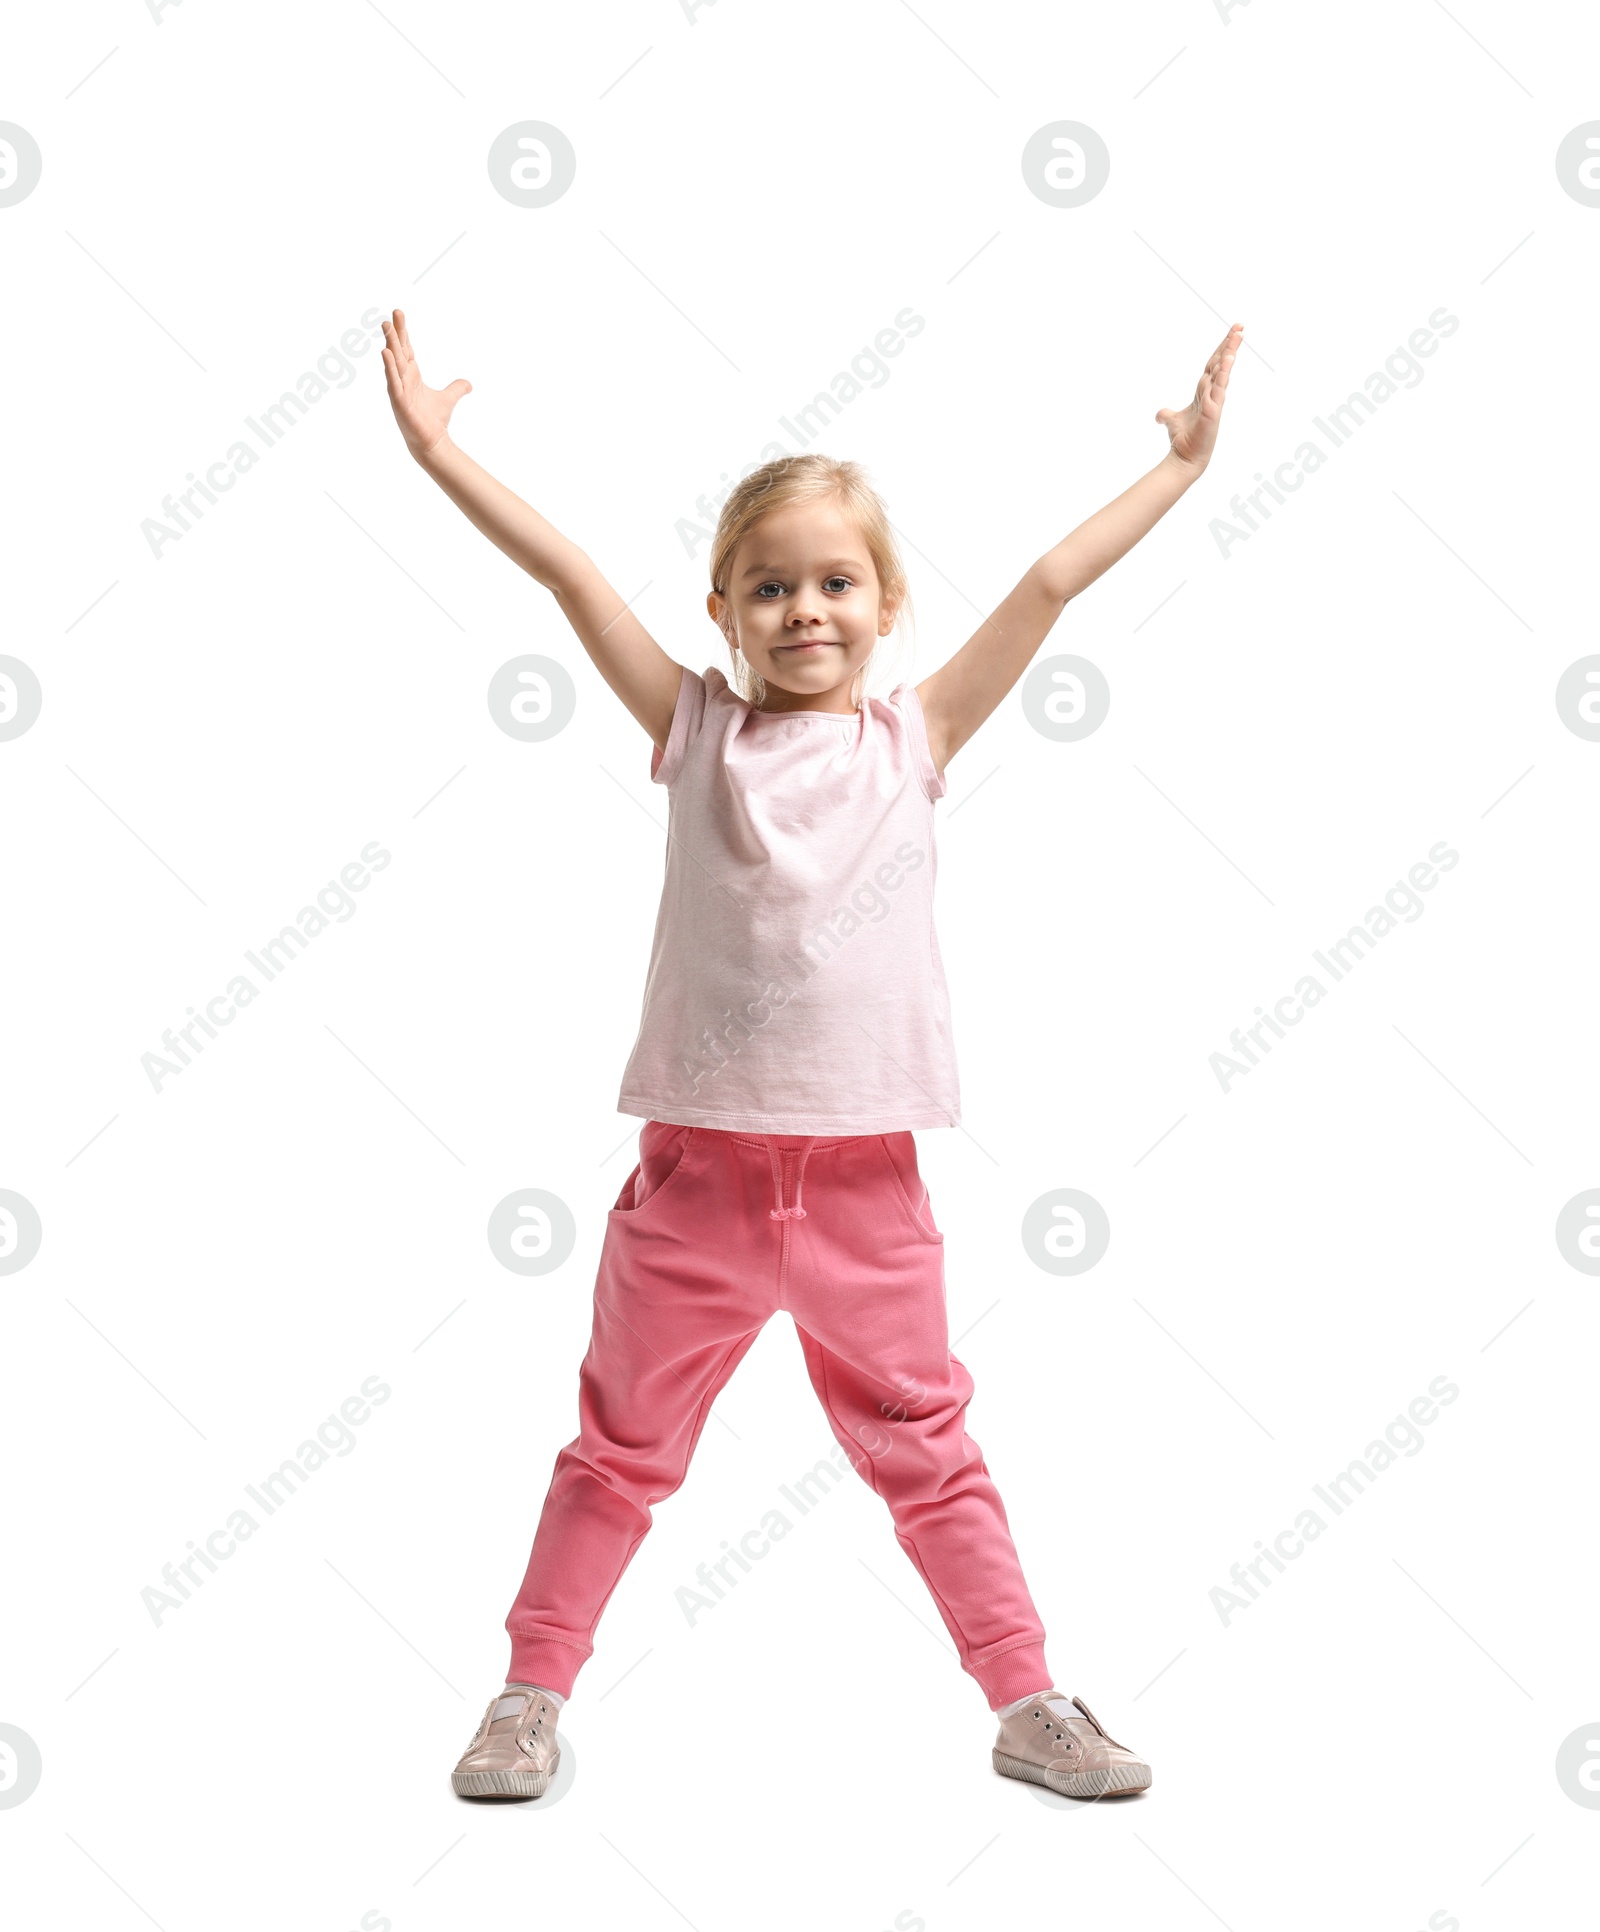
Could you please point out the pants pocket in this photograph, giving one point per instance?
(900, 1151)
(662, 1149)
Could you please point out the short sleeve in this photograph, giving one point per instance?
(687, 715)
(904, 698)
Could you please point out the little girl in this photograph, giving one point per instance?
(779, 1088)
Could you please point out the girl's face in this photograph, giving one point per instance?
(804, 606)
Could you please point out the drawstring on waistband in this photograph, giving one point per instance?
(780, 1212)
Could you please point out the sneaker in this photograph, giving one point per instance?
(1072, 1753)
(513, 1753)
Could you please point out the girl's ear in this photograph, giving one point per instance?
(722, 618)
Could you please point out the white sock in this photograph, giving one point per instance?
(555, 1697)
(1062, 1706)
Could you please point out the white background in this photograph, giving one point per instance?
(224, 1261)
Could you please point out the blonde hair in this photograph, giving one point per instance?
(811, 478)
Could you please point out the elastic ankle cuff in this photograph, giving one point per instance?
(1013, 1674)
(552, 1666)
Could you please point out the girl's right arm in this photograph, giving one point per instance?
(625, 654)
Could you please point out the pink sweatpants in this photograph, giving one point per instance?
(712, 1234)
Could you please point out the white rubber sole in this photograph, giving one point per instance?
(503, 1784)
(1112, 1782)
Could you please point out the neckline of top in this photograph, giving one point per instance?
(755, 712)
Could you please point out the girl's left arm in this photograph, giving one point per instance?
(960, 694)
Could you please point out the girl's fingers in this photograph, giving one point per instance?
(400, 400)
(392, 336)
(405, 334)
(1217, 375)
(1224, 346)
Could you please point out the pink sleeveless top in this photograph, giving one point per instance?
(795, 983)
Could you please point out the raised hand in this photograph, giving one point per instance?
(1194, 430)
(422, 413)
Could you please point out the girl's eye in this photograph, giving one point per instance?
(840, 583)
